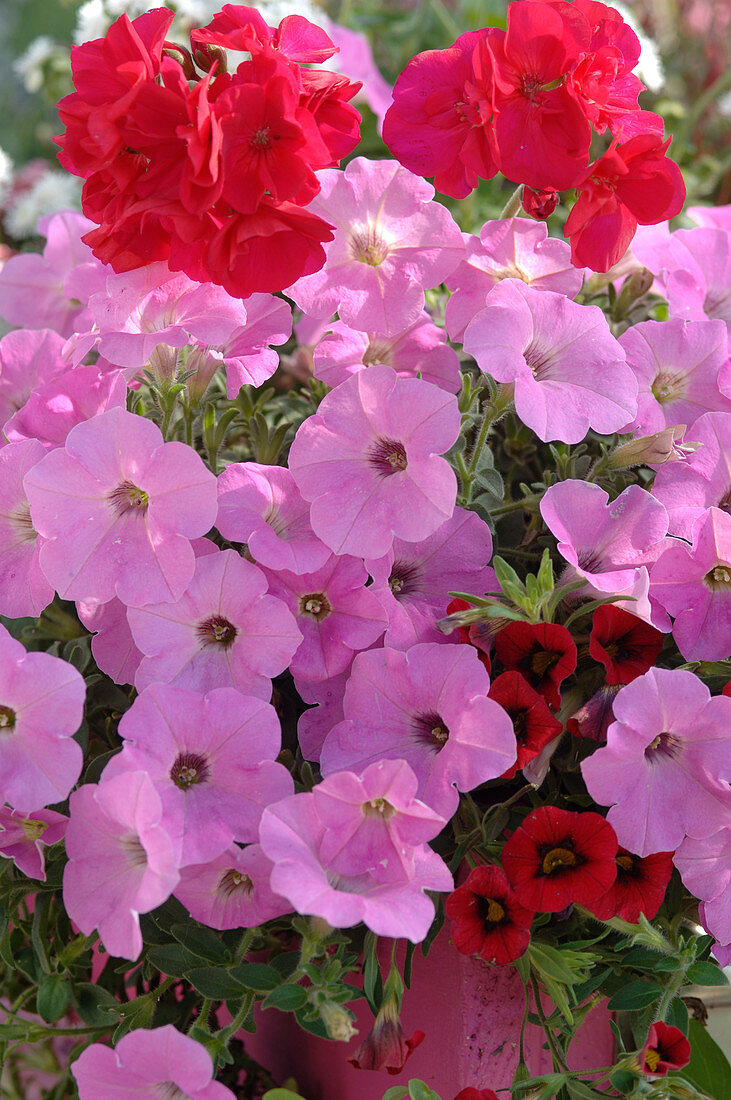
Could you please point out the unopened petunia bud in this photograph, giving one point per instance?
(338, 1022)
(653, 450)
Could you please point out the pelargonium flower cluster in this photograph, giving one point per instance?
(526, 102)
(209, 170)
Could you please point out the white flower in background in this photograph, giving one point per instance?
(55, 190)
(30, 65)
(649, 67)
(6, 175)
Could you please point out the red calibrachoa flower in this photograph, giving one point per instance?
(625, 645)
(557, 857)
(470, 635)
(386, 1047)
(633, 183)
(666, 1048)
(533, 722)
(544, 653)
(594, 718)
(487, 918)
(639, 887)
(727, 689)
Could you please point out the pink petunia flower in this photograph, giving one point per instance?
(315, 724)
(705, 868)
(677, 365)
(569, 372)
(368, 462)
(421, 350)
(232, 890)
(118, 508)
(335, 611)
(211, 759)
(24, 836)
(509, 248)
(694, 271)
(703, 480)
(56, 407)
(24, 589)
(159, 1062)
(374, 821)
(391, 243)
(121, 860)
(292, 836)
(34, 291)
(28, 358)
(694, 584)
(664, 768)
(262, 507)
(41, 708)
(138, 310)
(224, 631)
(247, 353)
(414, 579)
(609, 544)
(429, 707)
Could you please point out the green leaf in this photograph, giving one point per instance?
(396, 1092)
(623, 1080)
(287, 998)
(172, 959)
(286, 963)
(709, 1067)
(257, 976)
(95, 1005)
(52, 998)
(419, 1091)
(214, 982)
(372, 979)
(203, 942)
(281, 1094)
(706, 973)
(579, 1090)
(634, 996)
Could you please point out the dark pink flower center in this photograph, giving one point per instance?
(378, 351)
(431, 730)
(404, 579)
(216, 631)
(664, 746)
(378, 807)
(168, 1090)
(20, 521)
(234, 882)
(134, 850)
(669, 385)
(316, 605)
(128, 498)
(189, 768)
(7, 719)
(388, 456)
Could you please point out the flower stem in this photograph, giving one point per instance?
(512, 206)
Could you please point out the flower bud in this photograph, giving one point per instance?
(387, 1046)
(653, 450)
(539, 204)
(338, 1022)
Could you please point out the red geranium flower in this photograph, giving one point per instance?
(476, 1094)
(666, 1048)
(542, 133)
(544, 652)
(727, 689)
(595, 717)
(487, 918)
(439, 123)
(557, 857)
(633, 183)
(533, 722)
(624, 644)
(387, 1046)
(539, 204)
(639, 887)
